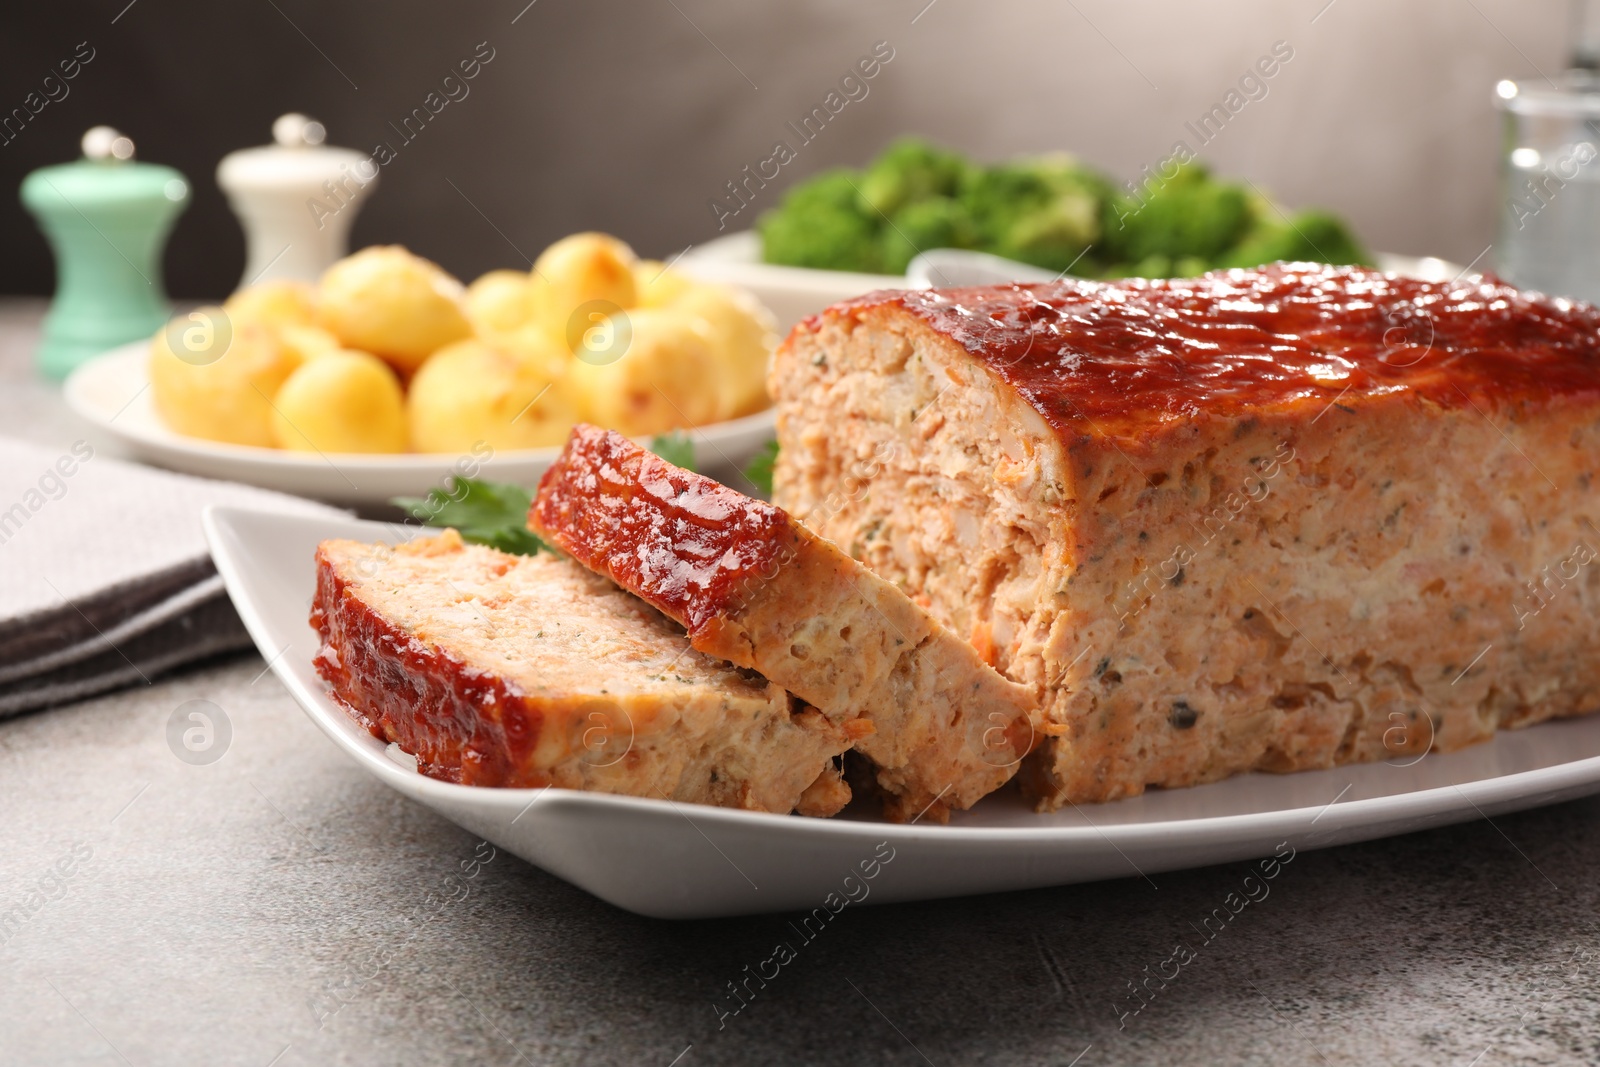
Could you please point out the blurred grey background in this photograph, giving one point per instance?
(629, 115)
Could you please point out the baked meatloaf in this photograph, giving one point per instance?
(760, 590)
(503, 670)
(1261, 520)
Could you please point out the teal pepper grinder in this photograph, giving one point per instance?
(107, 219)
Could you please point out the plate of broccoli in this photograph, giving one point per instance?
(1051, 211)
(845, 232)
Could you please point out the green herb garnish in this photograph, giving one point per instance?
(485, 513)
(496, 513)
(674, 447)
(759, 469)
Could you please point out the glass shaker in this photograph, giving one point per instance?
(1549, 236)
(1549, 232)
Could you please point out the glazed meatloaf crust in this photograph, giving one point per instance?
(1261, 520)
(760, 590)
(503, 670)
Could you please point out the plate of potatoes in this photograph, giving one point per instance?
(388, 376)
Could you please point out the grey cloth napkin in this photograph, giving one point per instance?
(105, 578)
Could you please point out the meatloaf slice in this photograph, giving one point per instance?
(758, 589)
(1270, 519)
(503, 670)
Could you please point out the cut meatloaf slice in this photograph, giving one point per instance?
(503, 670)
(1272, 519)
(762, 591)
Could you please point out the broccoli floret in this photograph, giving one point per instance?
(937, 222)
(825, 238)
(1157, 266)
(820, 223)
(1057, 235)
(1050, 211)
(1044, 211)
(910, 170)
(1186, 215)
(1160, 266)
(835, 188)
(1310, 236)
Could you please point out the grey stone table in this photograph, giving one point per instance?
(281, 907)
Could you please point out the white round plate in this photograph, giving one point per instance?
(112, 392)
(791, 293)
(671, 860)
(795, 292)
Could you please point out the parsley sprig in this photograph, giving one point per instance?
(485, 513)
(759, 469)
(496, 513)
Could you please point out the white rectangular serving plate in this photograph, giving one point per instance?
(671, 860)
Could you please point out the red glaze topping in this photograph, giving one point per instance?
(463, 725)
(684, 543)
(1110, 357)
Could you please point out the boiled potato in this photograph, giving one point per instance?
(742, 340)
(398, 306)
(340, 402)
(541, 348)
(307, 342)
(597, 336)
(499, 301)
(657, 284)
(543, 315)
(581, 269)
(226, 395)
(474, 392)
(665, 378)
(275, 303)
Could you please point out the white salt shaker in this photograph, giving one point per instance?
(296, 199)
